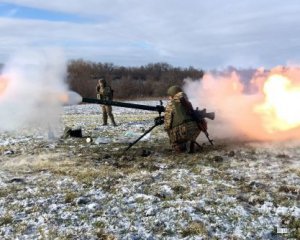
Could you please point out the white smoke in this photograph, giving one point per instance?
(222, 95)
(35, 79)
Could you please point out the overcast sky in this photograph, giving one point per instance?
(201, 33)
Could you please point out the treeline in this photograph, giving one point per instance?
(151, 80)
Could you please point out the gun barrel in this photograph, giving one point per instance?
(199, 114)
(157, 108)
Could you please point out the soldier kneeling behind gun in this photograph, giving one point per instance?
(180, 125)
(104, 92)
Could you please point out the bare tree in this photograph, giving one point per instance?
(151, 80)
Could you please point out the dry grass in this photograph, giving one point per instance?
(6, 219)
(194, 229)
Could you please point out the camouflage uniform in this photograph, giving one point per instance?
(105, 92)
(179, 124)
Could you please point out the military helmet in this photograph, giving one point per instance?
(102, 81)
(172, 91)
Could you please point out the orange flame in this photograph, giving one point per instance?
(3, 84)
(280, 109)
(64, 98)
(69, 98)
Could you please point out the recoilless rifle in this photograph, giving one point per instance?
(198, 115)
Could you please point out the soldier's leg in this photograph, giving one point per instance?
(111, 116)
(179, 147)
(104, 115)
(192, 132)
(191, 147)
(177, 144)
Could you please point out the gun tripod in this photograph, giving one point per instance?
(157, 121)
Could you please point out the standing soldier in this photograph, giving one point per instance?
(179, 122)
(104, 92)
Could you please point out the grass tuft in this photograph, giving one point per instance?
(194, 228)
(6, 219)
(70, 197)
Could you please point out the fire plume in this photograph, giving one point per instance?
(8, 85)
(69, 98)
(265, 107)
(3, 84)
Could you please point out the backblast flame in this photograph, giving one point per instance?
(63, 98)
(69, 98)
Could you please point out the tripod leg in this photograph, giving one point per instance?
(131, 144)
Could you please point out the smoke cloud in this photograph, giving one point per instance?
(244, 110)
(31, 84)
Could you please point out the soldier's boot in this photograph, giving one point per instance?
(112, 120)
(179, 148)
(191, 147)
(104, 120)
(196, 147)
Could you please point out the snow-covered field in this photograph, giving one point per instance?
(72, 189)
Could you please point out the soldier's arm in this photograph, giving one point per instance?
(97, 91)
(187, 104)
(168, 116)
(101, 94)
(111, 93)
